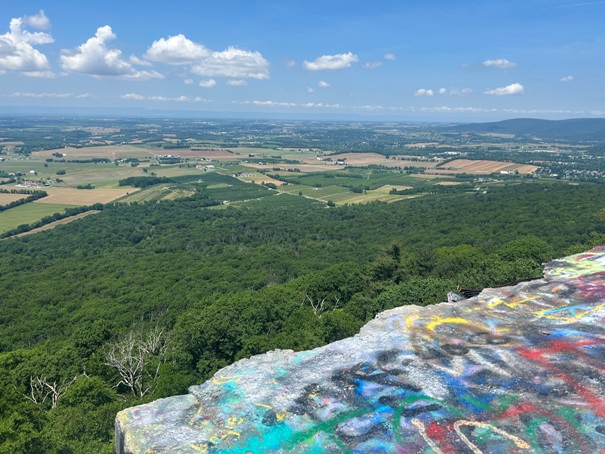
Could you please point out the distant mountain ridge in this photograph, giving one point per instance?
(584, 129)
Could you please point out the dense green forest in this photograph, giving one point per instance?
(140, 301)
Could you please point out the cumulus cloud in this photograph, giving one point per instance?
(323, 84)
(390, 56)
(96, 59)
(442, 91)
(237, 82)
(234, 63)
(501, 63)
(512, 89)
(209, 83)
(338, 61)
(39, 21)
(290, 63)
(17, 52)
(310, 90)
(566, 79)
(176, 50)
(424, 92)
(137, 61)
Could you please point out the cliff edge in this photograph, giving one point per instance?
(515, 369)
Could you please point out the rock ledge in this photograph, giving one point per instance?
(515, 369)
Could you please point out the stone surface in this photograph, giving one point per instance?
(516, 369)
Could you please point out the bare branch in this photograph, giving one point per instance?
(130, 356)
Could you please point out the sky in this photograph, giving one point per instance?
(450, 60)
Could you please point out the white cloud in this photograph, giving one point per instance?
(188, 81)
(137, 97)
(424, 92)
(390, 56)
(274, 103)
(310, 90)
(566, 79)
(96, 59)
(454, 109)
(322, 105)
(236, 82)
(232, 62)
(323, 84)
(19, 94)
(176, 50)
(512, 89)
(372, 65)
(460, 92)
(501, 63)
(338, 61)
(137, 61)
(290, 63)
(16, 47)
(208, 83)
(39, 21)
(442, 91)
(134, 96)
(235, 63)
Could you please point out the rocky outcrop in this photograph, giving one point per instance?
(515, 369)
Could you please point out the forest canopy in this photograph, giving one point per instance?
(187, 287)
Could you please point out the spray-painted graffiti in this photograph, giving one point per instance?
(514, 370)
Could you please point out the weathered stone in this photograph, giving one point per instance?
(516, 369)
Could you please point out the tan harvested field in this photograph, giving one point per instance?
(401, 162)
(8, 198)
(108, 151)
(56, 223)
(364, 159)
(388, 187)
(258, 177)
(448, 183)
(206, 154)
(482, 167)
(304, 168)
(72, 196)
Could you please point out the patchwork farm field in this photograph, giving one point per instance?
(261, 174)
(8, 198)
(72, 196)
(459, 166)
(105, 151)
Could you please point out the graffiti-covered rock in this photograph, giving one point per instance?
(514, 369)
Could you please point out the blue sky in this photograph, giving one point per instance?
(411, 60)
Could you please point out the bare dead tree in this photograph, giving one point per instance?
(137, 357)
(319, 305)
(42, 389)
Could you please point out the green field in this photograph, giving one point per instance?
(27, 214)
